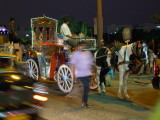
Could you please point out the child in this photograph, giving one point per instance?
(109, 77)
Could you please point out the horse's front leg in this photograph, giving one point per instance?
(126, 75)
(121, 76)
(98, 79)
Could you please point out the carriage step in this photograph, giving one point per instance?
(47, 81)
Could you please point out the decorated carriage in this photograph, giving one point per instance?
(48, 60)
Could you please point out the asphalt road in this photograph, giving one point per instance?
(108, 107)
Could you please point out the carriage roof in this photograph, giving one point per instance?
(44, 22)
(43, 31)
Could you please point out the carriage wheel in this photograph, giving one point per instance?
(32, 69)
(65, 78)
(94, 83)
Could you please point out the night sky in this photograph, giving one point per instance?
(121, 12)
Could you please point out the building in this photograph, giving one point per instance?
(113, 28)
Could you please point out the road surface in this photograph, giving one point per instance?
(108, 107)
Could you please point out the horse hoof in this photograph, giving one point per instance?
(127, 96)
(120, 97)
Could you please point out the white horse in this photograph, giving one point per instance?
(123, 66)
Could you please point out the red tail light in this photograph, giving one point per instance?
(156, 68)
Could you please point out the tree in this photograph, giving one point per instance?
(156, 17)
(76, 27)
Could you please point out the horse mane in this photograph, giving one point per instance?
(117, 46)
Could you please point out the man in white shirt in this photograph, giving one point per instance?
(66, 33)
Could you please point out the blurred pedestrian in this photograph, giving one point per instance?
(81, 64)
(152, 57)
(109, 76)
(22, 48)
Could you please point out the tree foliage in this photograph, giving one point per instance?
(156, 16)
(75, 26)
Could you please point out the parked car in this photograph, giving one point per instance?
(20, 96)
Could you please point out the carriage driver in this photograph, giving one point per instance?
(66, 33)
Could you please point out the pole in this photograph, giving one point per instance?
(99, 23)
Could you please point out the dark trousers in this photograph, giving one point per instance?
(13, 38)
(85, 84)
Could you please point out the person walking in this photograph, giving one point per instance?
(81, 65)
(152, 57)
(12, 31)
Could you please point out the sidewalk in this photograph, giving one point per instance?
(140, 90)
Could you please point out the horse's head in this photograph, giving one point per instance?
(135, 48)
(117, 46)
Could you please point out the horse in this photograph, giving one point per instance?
(124, 52)
(102, 62)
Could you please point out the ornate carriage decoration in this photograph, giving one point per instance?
(43, 30)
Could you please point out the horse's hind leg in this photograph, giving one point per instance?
(121, 75)
(141, 70)
(98, 79)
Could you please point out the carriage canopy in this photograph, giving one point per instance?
(43, 30)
